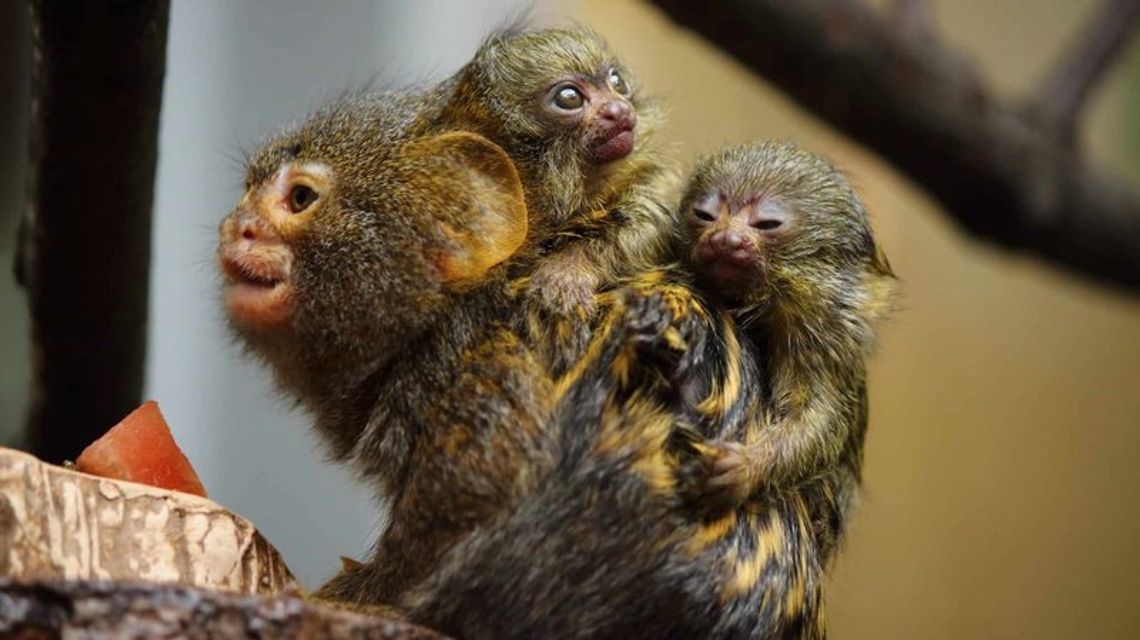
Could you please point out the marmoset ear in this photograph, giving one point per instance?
(478, 200)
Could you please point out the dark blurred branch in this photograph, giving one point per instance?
(80, 609)
(1066, 90)
(84, 248)
(1001, 173)
(912, 15)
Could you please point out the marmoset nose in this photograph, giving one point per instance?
(247, 225)
(730, 246)
(614, 110)
(618, 113)
(727, 239)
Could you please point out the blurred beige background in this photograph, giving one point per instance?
(1002, 494)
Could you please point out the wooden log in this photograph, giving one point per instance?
(56, 523)
(81, 610)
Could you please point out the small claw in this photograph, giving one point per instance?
(726, 478)
(663, 325)
(729, 457)
(732, 481)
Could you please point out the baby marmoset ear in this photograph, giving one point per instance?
(477, 196)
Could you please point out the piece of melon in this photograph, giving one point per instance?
(141, 449)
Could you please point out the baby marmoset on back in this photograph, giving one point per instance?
(777, 236)
(580, 130)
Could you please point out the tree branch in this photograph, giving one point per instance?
(912, 15)
(1066, 90)
(82, 609)
(1000, 173)
(84, 248)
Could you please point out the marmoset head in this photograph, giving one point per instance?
(770, 225)
(559, 87)
(351, 236)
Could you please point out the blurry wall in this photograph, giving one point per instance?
(1001, 485)
(1002, 493)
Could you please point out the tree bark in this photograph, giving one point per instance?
(89, 557)
(56, 523)
(81, 610)
(1000, 172)
(84, 250)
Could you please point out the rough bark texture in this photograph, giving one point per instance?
(56, 523)
(85, 241)
(83, 610)
(1004, 173)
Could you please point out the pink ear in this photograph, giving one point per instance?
(488, 220)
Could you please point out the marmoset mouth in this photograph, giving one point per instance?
(256, 291)
(615, 147)
(731, 276)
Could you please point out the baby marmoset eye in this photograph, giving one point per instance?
(568, 98)
(618, 83)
